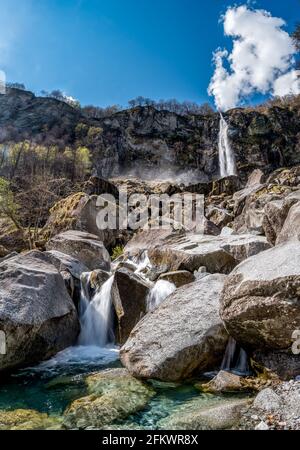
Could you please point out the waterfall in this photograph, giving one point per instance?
(226, 155)
(235, 359)
(142, 263)
(96, 317)
(160, 291)
(84, 293)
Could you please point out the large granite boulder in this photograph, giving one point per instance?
(291, 226)
(182, 336)
(275, 215)
(79, 212)
(71, 269)
(219, 254)
(129, 297)
(250, 206)
(85, 247)
(64, 262)
(283, 363)
(197, 414)
(37, 314)
(113, 395)
(28, 419)
(260, 301)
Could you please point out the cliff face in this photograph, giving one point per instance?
(144, 139)
(150, 143)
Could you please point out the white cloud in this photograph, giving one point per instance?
(261, 59)
(287, 84)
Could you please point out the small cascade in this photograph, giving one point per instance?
(142, 263)
(226, 155)
(96, 317)
(84, 292)
(235, 359)
(160, 291)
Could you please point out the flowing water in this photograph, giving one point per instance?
(226, 155)
(160, 291)
(51, 386)
(96, 318)
(235, 359)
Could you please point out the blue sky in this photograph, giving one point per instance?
(108, 51)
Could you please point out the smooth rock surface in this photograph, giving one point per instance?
(179, 277)
(260, 301)
(36, 312)
(85, 247)
(114, 394)
(27, 419)
(182, 336)
(129, 297)
(193, 416)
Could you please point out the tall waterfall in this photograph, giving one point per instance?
(235, 359)
(226, 155)
(96, 317)
(160, 291)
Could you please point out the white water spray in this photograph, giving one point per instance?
(226, 155)
(97, 319)
(160, 291)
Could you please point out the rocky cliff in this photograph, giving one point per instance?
(146, 142)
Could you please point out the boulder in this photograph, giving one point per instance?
(190, 252)
(78, 212)
(243, 246)
(195, 415)
(250, 206)
(219, 216)
(129, 297)
(275, 215)
(219, 254)
(182, 336)
(273, 220)
(210, 228)
(284, 364)
(179, 277)
(291, 226)
(285, 176)
(227, 185)
(255, 177)
(267, 400)
(28, 419)
(63, 261)
(144, 239)
(85, 247)
(114, 395)
(223, 382)
(260, 301)
(37, 314)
